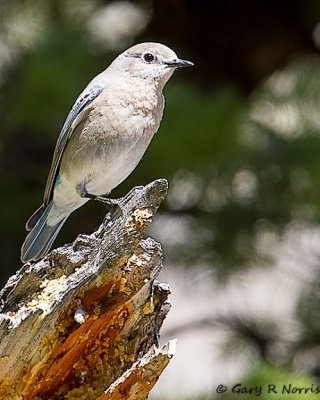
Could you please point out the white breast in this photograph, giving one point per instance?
(106, 147)
(109, 171)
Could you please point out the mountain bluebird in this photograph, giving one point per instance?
(103, 138)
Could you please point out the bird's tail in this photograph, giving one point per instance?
(41, 238)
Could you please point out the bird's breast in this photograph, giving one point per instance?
(111, 142)
(113, 161)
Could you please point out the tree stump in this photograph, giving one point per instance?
(83, 323)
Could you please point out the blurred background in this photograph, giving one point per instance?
(239, 144)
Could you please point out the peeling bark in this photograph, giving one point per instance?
(83, 323)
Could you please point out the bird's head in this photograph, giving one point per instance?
(153, 62)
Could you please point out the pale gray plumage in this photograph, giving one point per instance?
(104, 137)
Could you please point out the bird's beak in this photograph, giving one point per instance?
(179, 63)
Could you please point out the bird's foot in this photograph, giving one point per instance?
(114, 207)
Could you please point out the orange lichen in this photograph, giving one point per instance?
(88, 345)
(96, 294)
(139, 219)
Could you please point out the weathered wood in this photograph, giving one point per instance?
(89, 313)
(136, 382)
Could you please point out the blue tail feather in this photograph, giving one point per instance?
(41, 238)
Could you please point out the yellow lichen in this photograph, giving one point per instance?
(120, 351)
(44, 342)
(148, 308)
(124, 286)
(7, 391)
(51, 293)
(84, 392)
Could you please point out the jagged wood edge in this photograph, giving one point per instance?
(94, 256)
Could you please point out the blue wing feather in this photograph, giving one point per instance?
(90, 93)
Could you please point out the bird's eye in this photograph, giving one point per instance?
(148, 57)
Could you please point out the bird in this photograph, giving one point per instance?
(105, 135)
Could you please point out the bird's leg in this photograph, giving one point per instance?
(113, 204)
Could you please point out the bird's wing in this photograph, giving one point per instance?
(90, 93)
